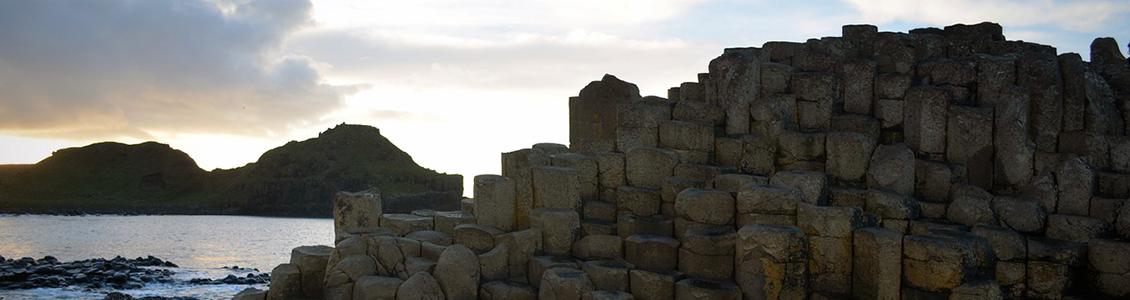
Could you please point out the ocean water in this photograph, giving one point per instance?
(200, 245)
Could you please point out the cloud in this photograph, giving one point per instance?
(105, 69)
(1080, 16)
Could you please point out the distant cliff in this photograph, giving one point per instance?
(296, 179)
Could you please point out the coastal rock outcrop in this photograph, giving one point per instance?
(943, 163)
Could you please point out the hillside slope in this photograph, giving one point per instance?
(296, 179)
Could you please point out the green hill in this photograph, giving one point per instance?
(296, 179)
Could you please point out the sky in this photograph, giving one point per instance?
(452, 82)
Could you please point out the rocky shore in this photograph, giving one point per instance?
(113, 274)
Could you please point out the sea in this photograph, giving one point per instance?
(201, 245)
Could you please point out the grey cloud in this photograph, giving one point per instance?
(109, 68)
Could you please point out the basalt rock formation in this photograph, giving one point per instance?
(939, 163)
(295, 179)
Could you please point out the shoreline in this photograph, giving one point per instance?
(115, 277)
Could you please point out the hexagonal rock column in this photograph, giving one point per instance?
(647, 167)
(559, 227)
(588, 172)
(420, 286)
(556, 187)
(495, 201)
(772, 262)
(311, 262)
(653, 285)
(767, 205)
(705, 289)
(925, 118)
(708, 253)
(848, 155)
(478, 238)
(936, 263)
(608, 275)
(504, 290)
(457, 273)
(876, 264)
(592, 114)
(356, 213)
(286, 283)
(517, 165)
(1111, 266)
(402, 224)
(830, 242)
(520, 245)
(341, 277)
(1052, 265)
(376, 287)
(733, 83)
(892, 168)
(639, 123)
(445, 221)
(652, 252)
(813, 186)
(711, 207)
(1012, 146)
(564, 283)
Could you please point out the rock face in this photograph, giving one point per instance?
(937, 164)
